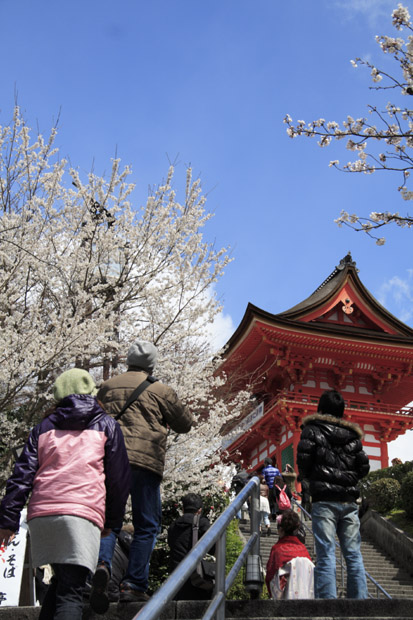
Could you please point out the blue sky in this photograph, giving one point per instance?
(208, 84)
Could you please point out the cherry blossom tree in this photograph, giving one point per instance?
(382, 142)
(83, 273)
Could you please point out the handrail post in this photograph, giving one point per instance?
(255, 517)
(220, 552)
(253, 572)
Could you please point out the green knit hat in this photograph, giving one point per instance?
(74, 381)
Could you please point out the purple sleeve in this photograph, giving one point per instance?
(117, 472)
(20, 484)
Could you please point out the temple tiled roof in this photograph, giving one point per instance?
(326, 288)
(345, 273)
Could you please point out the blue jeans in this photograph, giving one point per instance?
(330, 518)
(107, 548)
(64, 596)
(146, 518)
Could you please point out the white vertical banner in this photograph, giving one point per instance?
(243, 426)
(11, 565)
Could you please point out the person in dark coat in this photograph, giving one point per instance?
(305, 494)
(120, 560)
(238, 482)
(180, 543)
(270, 472)
(240, 479)
(330, 456)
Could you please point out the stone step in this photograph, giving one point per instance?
(390, 585)
(340, 609)
(394, 593)
(390, 575)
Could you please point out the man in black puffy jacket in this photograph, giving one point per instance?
(330, 455)
(180, 543)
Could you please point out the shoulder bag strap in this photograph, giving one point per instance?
(195, 529)
(135, 394)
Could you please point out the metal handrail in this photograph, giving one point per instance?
(342, 563)
(216, 534)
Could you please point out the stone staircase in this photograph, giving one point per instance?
(395, 579)
(339, 609)
(389, 573)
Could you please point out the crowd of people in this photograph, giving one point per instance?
(95, 448)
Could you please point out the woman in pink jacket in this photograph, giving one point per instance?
(75, 466)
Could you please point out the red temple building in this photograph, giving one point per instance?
(340, 337)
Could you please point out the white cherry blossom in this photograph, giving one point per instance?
(383, 145)
(83, 273)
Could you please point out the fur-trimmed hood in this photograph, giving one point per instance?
(332, 419)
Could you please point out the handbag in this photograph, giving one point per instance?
(203, 576)
(283, 501)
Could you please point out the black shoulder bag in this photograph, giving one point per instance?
(203, 576)
(135, 394)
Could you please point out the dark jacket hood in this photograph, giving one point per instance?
(326, 420)
(185, 519)
(76, 412)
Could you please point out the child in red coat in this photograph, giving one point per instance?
(287, 548)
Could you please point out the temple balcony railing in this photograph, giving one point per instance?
(299, 403)
(303, 400)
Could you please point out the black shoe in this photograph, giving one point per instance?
(99, 600)
(113, 593)
(129, 595)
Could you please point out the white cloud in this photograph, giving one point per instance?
(220, 331)
(373, 10)
(397, 296)
(402, 447)
(217, 333)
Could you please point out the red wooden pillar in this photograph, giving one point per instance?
(277, 457)
(296, 439)
(384, 454)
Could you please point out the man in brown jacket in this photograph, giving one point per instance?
(144, 425)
